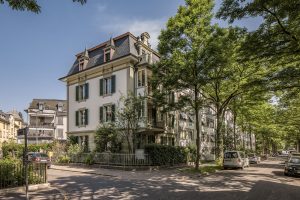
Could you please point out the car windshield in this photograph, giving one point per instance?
(295, 160)
(252, 155)
(231, 155)
(43, 155)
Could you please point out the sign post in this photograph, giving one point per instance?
(25, 131)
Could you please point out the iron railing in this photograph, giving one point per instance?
(116, 159)
(13, 175)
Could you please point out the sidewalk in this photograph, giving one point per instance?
(49, 193)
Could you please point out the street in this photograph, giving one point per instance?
(263, 181)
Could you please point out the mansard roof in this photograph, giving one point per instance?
(124, 45)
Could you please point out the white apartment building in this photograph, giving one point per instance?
(47, 120)
(102, 74)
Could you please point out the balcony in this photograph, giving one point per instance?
(42, 126)
(155, 124)
(47, 134)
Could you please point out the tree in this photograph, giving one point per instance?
(107, 138)
(129, 116)
(29, 5)
(276, 42)
(197, 62)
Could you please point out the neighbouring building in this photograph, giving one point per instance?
(10, 123)
(102, 74)
(47, 121)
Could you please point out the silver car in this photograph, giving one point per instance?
(235, 159)
(253, 158)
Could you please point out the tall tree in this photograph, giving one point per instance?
(182, 46)
(276, 42)
(29, 5)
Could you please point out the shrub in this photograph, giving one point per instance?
(89, 159)
(75, 149)
(64, 159)
(166, 155)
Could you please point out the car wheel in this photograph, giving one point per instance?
(286, 174)
(225, 168)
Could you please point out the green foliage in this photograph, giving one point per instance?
(89, 159)
(107, 138)
(74, 149)
(64, 159)
(129, 115)
(29, 5)
(166, 155)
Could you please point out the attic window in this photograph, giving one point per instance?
(107, 55)
(81, 65)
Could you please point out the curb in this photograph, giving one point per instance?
(31, 188)
(95, 173)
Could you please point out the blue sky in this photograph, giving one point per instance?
(36, 50)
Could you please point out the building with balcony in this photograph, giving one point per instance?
(47, 121)
(102, 74)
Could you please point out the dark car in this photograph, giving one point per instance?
(37, 157)
(292, 166)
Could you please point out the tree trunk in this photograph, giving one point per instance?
(219, 135)
(250, 137)
(234, 131)
(198, 141)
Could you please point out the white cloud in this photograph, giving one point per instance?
(136, 27)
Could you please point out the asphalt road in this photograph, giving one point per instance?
(264, 181)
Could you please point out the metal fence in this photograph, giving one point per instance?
(13, 175)
(117, 159)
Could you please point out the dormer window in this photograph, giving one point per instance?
(59, 107)
(41, 106)
(81, 65)
(107, 55)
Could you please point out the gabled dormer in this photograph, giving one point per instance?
(83, 60)
(109, 50)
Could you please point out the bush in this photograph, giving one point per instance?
(166, 155)
(89, 159)
(64, 159)
(75, 149)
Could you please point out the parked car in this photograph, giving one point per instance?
(292, 166)
(37, 157)
(253, 158)
(235, 159)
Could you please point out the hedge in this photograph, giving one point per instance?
(166, 155)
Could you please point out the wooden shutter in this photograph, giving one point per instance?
(77, 118)
(86, 115)
(86, 88)
(113, 109)
(101, 87)
(77, 93)
(113, 84)
(101, 114)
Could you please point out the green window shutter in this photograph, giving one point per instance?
(113, 109)
(101, 114)
(101, 87)
(86, 115)
(113, 84)
(77, 93)
(86, 88)
(77, 118)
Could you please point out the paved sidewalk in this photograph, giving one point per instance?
(49, 193)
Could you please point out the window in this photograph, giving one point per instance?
(81, 65)
(60, 133)
(171, 121)
(108, 85)
(60, 121)
(142, 109)
(141, 78)
(107, 113)
(82, 117)
(82, 92)
(107, 55)
(151, 139)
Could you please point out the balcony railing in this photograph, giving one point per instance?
(51, 126)
(155, 124)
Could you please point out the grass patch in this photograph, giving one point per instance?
(203, 169)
